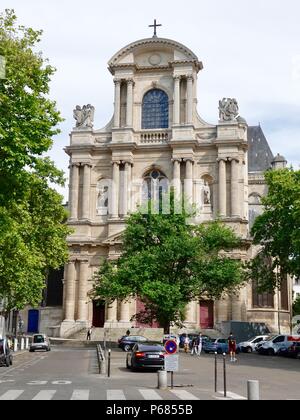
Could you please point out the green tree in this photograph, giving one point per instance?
(277, 231)
(296, 307)
(32, 229)
(167, 263)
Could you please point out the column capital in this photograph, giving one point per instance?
(117, 81)
(190, 77)
(177, 78)
(188, 160)
(222, 160)
(86, 164)
(75, 164)
(174, 160)
(234, 159)
(127, 162)
(130, 81)
(116, 162)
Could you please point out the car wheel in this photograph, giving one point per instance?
(219, 351)
(249, 349)
(127, 364)
(127, 347)
(31, 351)
(7, 362)
(271, 352)
(10, 362)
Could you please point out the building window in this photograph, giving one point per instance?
(155, 112)
(261, 300)
(155, 185)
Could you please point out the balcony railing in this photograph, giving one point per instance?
(155, 137)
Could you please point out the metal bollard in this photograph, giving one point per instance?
(253, 390)
(216, 372)
(225, 379)
(15, 344)
(103, 367)
(22, 343)
(27, 343)
(109, 361)
(162, 379)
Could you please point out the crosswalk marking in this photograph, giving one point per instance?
(184, 395)
(45, 395)
(11, 395)
(149, 394)
(80, 395)
(233, 396)
(115, 394)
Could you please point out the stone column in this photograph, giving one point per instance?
(126, 193)
(176, 119)
(190, 313)
(177, 179)
(125, 312)
(190, 99)
(117, 103)
(188, 182)
(70, 292)
(235, 204)
(115, 190)
(129, 110)
(129, 180)
(74, 189)
(222, 188)
(112, 312)
(86, 191)
(82, 291)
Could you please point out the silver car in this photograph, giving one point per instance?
(250, 345)
(40, 342)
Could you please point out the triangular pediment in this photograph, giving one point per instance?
(116, 239)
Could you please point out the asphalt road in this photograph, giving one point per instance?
(72, 374)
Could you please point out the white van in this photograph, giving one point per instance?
(278, 342)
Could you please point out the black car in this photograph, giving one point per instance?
(146, 356)
(5, 353)
(127, 342)
(292, 351)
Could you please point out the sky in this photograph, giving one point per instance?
(250, 50)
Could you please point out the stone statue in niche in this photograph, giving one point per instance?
(102, 201)
(84, 116)
(207, 193)
(228, 109)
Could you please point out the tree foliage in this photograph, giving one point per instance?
(296, 307)
(32, 232)
(277, 231)
(168, 263)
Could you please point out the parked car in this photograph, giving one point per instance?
(5, 353)
(205, 338)
(171, 337)
(277, 344)
(127, 342)
(146, 356)
(39, 342)
(220, 345)
(292, 351)
(249, 345)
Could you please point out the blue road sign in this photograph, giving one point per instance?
(171, 347)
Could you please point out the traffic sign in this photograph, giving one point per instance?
(171, 347)
(172, 363)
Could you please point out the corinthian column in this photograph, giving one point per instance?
(176, 119)
(190, 99)
(177, 179)
(74, 190)
(222, 188)
(188, 182)
(117, 103)
(82, 291)
(86, 191)
(127, 186)
(112, 312)
(235, 205)
(115, 190)
(129, 110)
(70, 292)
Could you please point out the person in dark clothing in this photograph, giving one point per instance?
(89, 334)
(232, 347)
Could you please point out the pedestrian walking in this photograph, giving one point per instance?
(186, 344)
(89, 334)
(194, 346)
(232, 347)
(200, 341)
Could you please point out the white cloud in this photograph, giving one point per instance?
(250, 50)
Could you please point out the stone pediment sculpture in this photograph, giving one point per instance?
(228, 109)
(84, 116)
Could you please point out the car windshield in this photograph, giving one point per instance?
(153, 347)
(270, 338)
(38, 339)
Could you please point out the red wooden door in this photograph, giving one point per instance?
(98, 314)
(207, 314)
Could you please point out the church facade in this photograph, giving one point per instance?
(157, 138)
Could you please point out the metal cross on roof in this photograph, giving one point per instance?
(156, 25)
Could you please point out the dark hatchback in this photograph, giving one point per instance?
(127, 342)
(146, 356)
(5, 353)
(292, 351)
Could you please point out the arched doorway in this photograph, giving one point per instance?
(98, 314)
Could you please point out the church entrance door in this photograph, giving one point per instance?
(206, 314)
(98, 314)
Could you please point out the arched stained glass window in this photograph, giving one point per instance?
(155, 113)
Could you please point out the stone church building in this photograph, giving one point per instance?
(156, 137)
